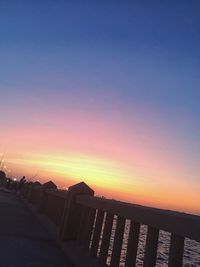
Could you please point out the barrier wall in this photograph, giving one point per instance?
(91, 222)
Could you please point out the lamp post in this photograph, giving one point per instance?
(1, 156)
(2, 163)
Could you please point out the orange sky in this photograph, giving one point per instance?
(105, 92)
(130, 159)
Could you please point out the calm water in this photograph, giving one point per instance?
(191, 251)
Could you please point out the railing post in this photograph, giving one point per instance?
(22, 191)
(151, 247)
(89, 228)
(26, 191)
(84, 223)
(132, 246)
(106, 238)
(41, 202)
(29, 192)
(85, 226)
(97, 233)
(118, 239)
(72, 211)
(176, 251)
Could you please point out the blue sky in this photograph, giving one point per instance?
(120, 57)
(141, 49)
(140, 52)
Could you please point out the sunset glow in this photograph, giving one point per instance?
(103, 108)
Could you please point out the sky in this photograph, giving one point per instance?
(105, 92)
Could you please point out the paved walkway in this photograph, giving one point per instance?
(24, 241)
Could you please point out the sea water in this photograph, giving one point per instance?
(191, 256)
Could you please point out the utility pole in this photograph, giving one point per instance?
(2, 163)
(1, 159)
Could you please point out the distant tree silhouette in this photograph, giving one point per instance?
(2, 175)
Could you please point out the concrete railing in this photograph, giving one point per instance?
(54, 203)
(91, 222)
(178, 224)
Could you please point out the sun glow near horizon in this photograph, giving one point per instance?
(131, 158)
(95, 170)
(109, 178)
(106, 93)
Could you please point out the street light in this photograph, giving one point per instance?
(1, 155)
(2, 163)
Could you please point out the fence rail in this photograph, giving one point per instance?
(182, 224)
(92, 222)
